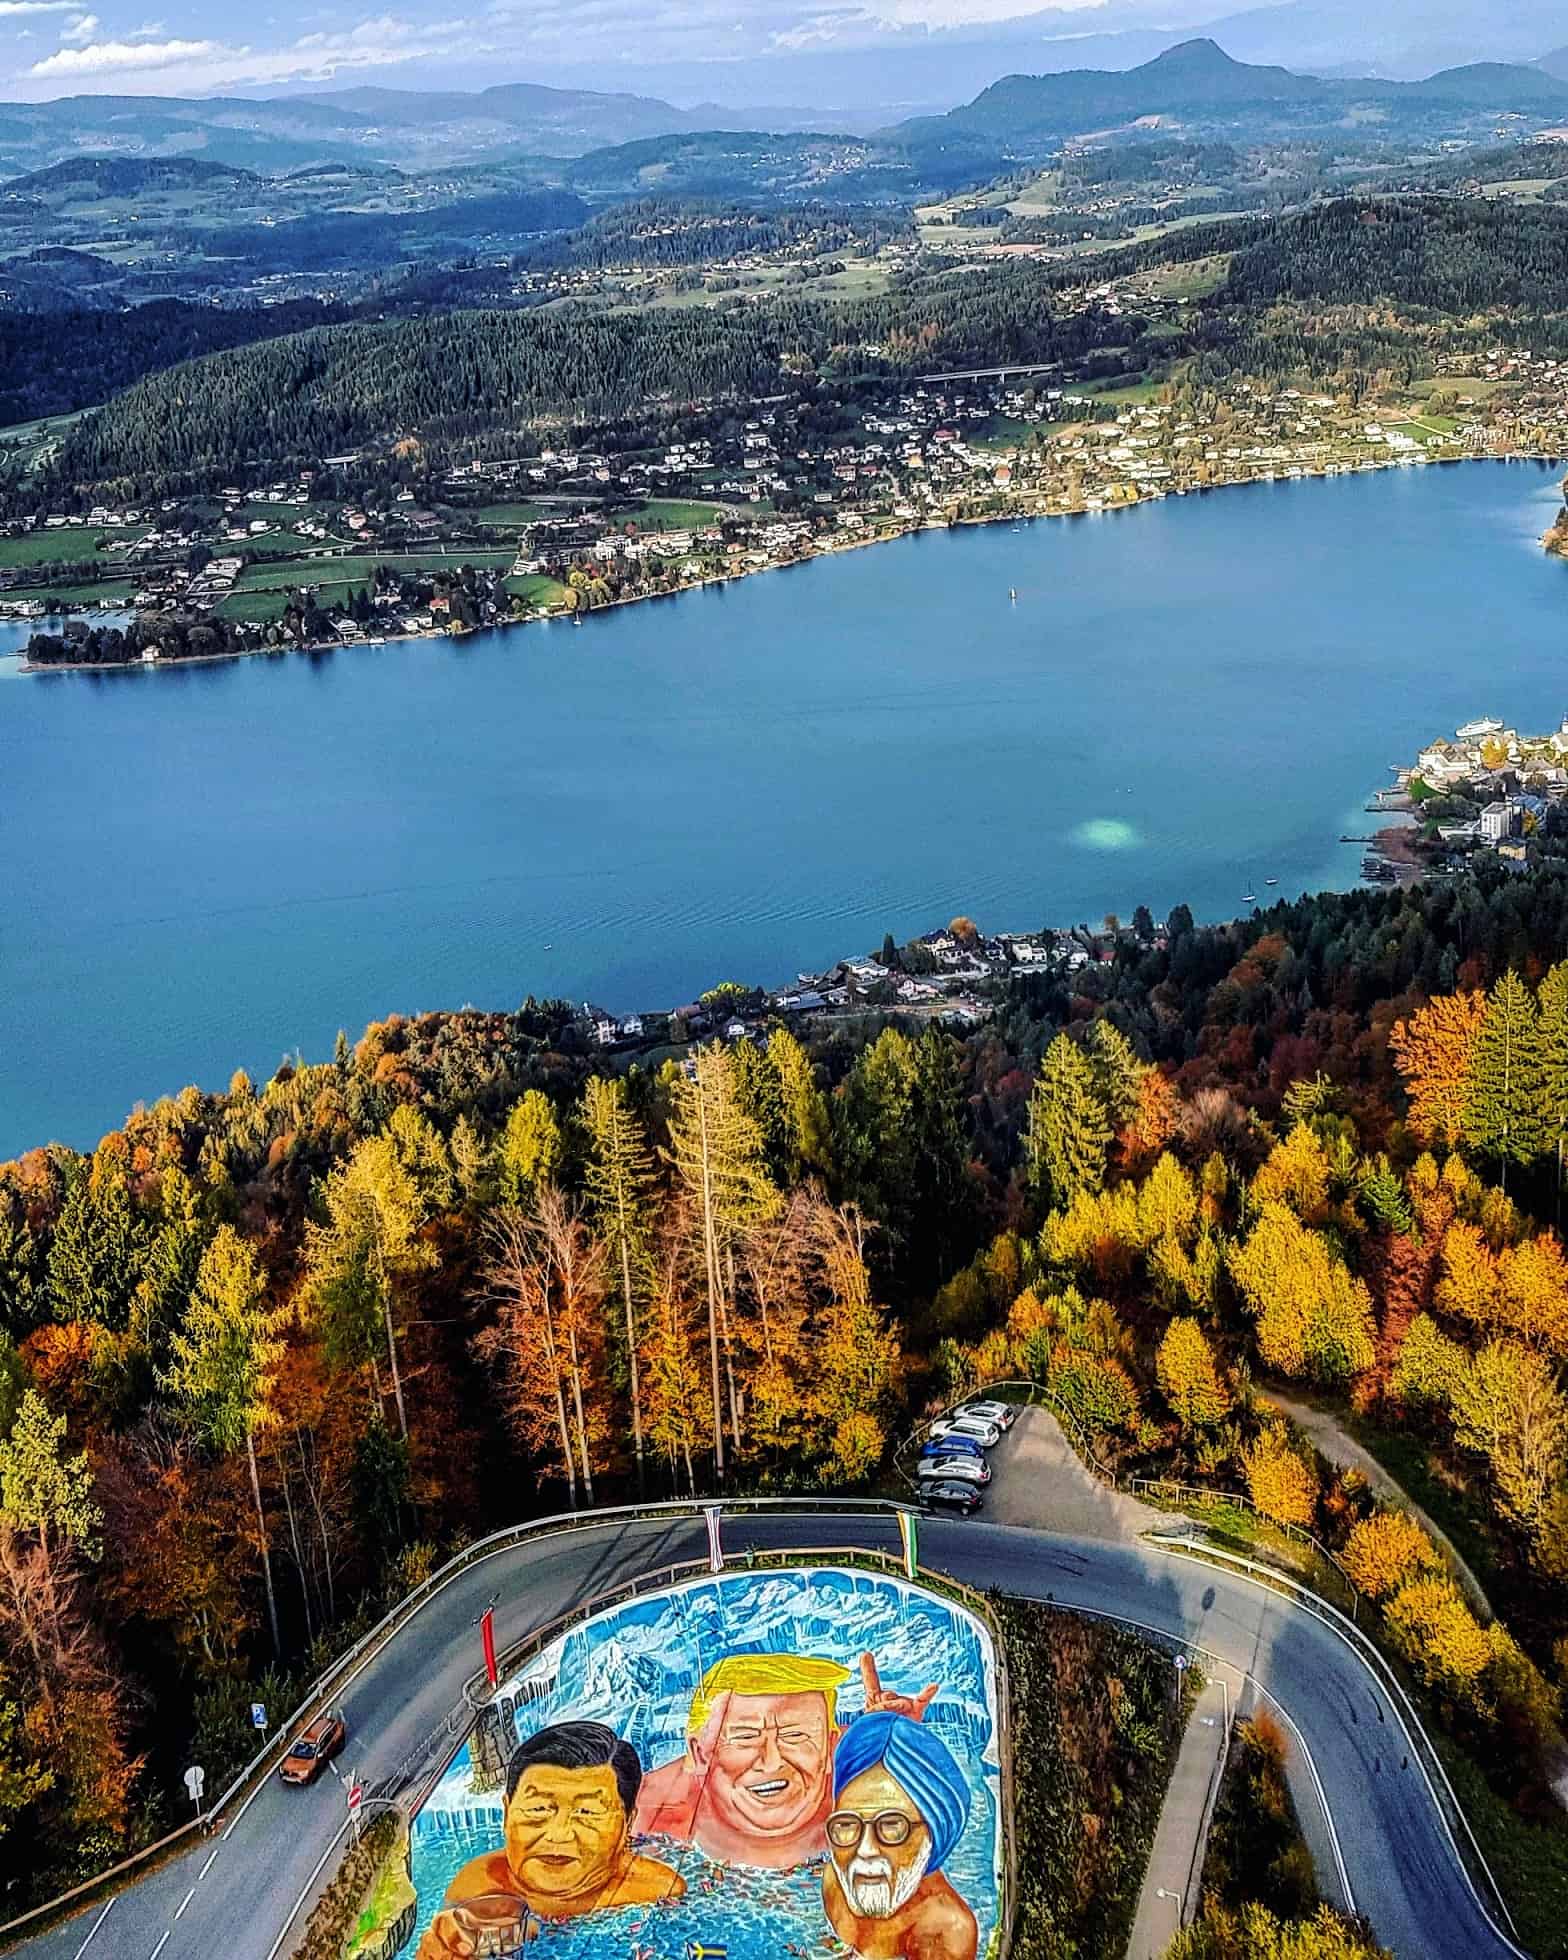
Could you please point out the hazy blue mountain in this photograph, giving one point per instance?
(1555, 63)
(1198, 82)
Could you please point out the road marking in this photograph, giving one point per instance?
(207, 1867)
(186, 1901)
(161, 1945)
(95, 1925)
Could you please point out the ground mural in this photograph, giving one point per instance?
(753, 1765)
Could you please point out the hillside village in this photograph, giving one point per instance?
(366, 546)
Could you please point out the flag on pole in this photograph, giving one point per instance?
(487, 1634)
(715, 1547)
(909, 1531)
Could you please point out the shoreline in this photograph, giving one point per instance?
(901, 528)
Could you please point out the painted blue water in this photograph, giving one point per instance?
(205, 869)
(635, 1668)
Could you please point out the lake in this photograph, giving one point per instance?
(207, 868)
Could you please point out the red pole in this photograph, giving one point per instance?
(487, 1632)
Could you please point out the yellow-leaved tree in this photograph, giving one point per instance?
(1386, 1551)
(1283, 1485)
(1314, 1316)
(1190, 1378)
(1433, 1050)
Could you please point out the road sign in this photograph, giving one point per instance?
(1182, 1662)
(258, 1714)
(355, 1792)
(195, 1782)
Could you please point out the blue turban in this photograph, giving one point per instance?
(923, 1766)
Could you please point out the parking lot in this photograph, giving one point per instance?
(1038, 1479)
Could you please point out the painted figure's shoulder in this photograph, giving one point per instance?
(489, 1872)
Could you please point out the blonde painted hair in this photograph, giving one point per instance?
(765, 1674)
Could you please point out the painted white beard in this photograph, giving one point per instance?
(871, 1891)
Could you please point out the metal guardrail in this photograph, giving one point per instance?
(348, 1664)
(1443, 1793)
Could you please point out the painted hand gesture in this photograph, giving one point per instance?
(884, 1701)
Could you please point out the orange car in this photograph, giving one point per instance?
(313, 1748)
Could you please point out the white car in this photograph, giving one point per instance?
(953, 1469)
(986, 1434)
(1002, 1414)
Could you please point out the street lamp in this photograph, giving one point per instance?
(1161, 1893)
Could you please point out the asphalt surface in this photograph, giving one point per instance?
(233, 1894)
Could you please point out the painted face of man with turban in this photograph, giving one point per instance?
(900, 1803)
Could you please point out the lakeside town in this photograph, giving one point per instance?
(948, 976)
(350, 552)
(1488, 788)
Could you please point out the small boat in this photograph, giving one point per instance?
(1271, 881)
(1249, 898)
(1012, 593)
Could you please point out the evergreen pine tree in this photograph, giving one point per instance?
(1069, 1127)
(1504, 1114)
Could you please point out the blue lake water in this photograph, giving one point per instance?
(206, 868)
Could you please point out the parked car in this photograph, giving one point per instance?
(967, 1469)
(1003, 1414)
(952, 1446)
(313, 1748)
(986, 1434)
(950, 1496)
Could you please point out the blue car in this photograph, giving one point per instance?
(953, 1446)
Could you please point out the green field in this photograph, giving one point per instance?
(70, 544)
(535, 590)
(1122, 395)
(279, 574)
(107, 592)
(262, 606)
(674, 514)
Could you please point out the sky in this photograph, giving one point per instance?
(62, 47)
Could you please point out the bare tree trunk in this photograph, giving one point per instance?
(577, 1404)
(266, 1550)
(553, 1352)
(631, 1348)
(397, 1378)
(313, 1485)
(299, 1560)
(710, 1247)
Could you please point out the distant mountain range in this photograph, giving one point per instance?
(608, 144)
(1198, 83)
(410, 128)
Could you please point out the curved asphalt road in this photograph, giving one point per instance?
(231, 1895)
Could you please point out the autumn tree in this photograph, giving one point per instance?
(674, 1370)
(1189, 1377)
(1385, 1551)
(544, 1277)
(1282, 1484)
(1552, 999)
(808, 1127)
(1507, 1407)
(367, 1247)
(620, 1180)
(718, 1159)
(1430, 1624)
(1433, 1052)
(856, 1346)
(529, 1152)
(223, 1365)
(1314, 1317)
(1069, 1128)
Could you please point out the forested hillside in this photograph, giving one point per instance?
(1453, 256)
(468, 375)
(465, 380)
(265, 1355)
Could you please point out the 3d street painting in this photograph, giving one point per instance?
(752, 1765)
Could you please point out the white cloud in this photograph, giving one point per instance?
(81, 30)
(14, 9)
(198, 65)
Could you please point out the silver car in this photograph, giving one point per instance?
(950, 1469)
